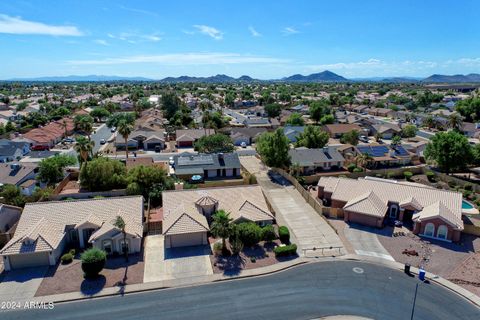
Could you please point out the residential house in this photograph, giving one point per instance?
(385, 155)
(9, 216)
(46, 229)
(434, 213)
(50, 134)
(245, 135)
(16, 174)
(12, 150)
(187, 213)
(142, 139)
(292, 132)
(208, 166)
(381, 112)
(186, 138)
(314, 160)
(338, 129)
(133, 162)
(471, 130)
(416, 147)
(386, 130)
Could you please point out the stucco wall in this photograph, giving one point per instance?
(452, 235)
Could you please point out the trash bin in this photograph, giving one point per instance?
(407, 268)
(421, 274)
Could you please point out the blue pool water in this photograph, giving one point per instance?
(466, 205)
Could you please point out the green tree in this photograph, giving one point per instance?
(295, 119)
(51, 170)
(171, 103)
(119, 223)
(84, 123)
(350, 137)
(273, 148)
(214, 143)
(409, 131)
(116, 118)
(396, 141)
(9, 127)
(102, 174)
(249, 233)
(319, 109)
(12, 195)
(327, 119)
(125, 129)
(469, 109)
(99, 113)
(148, 181)
(312, 137)
(222, 227)
(364, 160)
(455, 121)
(476, 154)
(450, 150)
(84, 148)
(273, 110)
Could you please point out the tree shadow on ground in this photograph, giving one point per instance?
(91, 286)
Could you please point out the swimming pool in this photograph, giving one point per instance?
(466, 205)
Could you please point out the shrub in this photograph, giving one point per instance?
(72, 252)
(430, 176)
(358, 170)
(287, 250)
(236, 245)
(252, 179)
(389, 175)
(249, 233)
(67, 258)
(468, 186)
(408, 175)
(379, 175)
(268, 233)
(253, 259)
(351, 167)
(93, 261)
(466, 193)
(451, 184)
(284, 234)
(217, 247)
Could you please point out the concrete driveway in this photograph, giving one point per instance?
(177, 263)
(365, 241)
(21, 284)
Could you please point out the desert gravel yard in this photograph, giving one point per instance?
(69, 278)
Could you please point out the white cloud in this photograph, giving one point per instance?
(135, 37)
(289, 31)
(180, 59)
(254, 32)
(101, 42)
(209, 31)
(16, 25)
(146, 12)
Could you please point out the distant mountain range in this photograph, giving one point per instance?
(325, 76)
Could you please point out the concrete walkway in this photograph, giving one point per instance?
(307, 228)
(365, 242)
(21, 284)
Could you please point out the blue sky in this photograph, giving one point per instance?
(264, 39)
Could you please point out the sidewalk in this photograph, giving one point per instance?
(173, 283)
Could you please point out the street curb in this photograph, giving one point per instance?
(429, 276)
(51, 298)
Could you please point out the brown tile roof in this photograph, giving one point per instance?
(342, 128)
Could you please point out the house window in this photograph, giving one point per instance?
(442, 232)
(429, 230)
(107, 246)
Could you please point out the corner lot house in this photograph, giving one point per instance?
(46, 229)
(208, 166)
(434, 213)
(187, 213)
(314, 160)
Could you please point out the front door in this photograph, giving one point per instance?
(393, 212)
(86, 235)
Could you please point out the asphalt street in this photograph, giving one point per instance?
(305, 292)
(102, 133)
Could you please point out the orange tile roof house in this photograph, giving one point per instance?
(336, 130)
(186, 138)
(50, 134)
(46, 229)
(187, 212)
(434, 213)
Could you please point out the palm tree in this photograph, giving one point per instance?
(86, 125)
(364, 159)
(120, 224)
(221, 226)
(84, 147)
(64, 126)
(455, 121)
(125, 129)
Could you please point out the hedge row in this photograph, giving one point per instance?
(287, 250)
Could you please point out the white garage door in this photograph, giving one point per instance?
(184, 240)
(26, 260)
